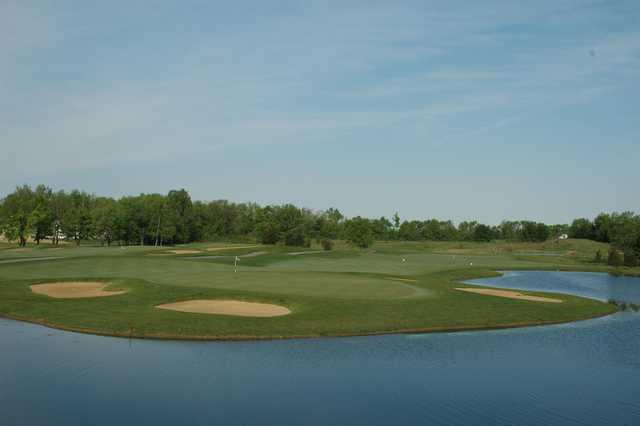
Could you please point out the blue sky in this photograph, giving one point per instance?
(464, 110)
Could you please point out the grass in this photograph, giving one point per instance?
(342, 292)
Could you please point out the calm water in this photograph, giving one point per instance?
(581, 373)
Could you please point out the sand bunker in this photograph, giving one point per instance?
(227, 307)
(231, 247)
(254, 254)
(185, 251)
(73, 290)
(510, 294)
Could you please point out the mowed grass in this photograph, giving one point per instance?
(342, 292)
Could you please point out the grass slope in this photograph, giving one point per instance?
(344, 292)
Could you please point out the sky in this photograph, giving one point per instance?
(456, 110)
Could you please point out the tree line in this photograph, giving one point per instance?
(155, 219)
(622, 230)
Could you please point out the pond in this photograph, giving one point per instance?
(585, 372)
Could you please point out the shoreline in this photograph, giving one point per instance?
(242, 338)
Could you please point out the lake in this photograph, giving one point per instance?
(586, 372)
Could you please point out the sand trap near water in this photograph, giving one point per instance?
(510, 294)
(227, 307)
(74, 290)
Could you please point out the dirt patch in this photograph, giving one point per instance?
(227, 307)
(74, 290)
(406, 280)
(300, 253)
(231, 248)
(510, 294)
(184, 251)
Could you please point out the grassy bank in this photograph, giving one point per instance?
(343, 292)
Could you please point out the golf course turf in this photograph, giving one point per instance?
(338, 293)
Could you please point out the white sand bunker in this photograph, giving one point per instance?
(510, 294)
(184, 251)
(227, 307)
(74, 290)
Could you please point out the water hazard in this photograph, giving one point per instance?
(586, 372)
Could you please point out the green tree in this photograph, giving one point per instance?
(180, 212)
(359, 232)
(482, 233)
(466, 230)
(582, 228)
(630, 258)
(615, 257)
(76, 219)
(41, 218)
(104, 217)
(17, 208)
(532, 231)
(58, 204)
(602, 226)
(410, 230)
(296, 237)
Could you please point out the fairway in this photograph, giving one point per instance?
(397, 287)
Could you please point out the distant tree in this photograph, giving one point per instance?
(615, 257)
(180, 212)
(396, 221)
(382, 229)
(624, 232)
(41, 218)
(482, 233)
(557, 230)
(296, 237)
(532, 231)
(582, 228)
(17, 208)
(76, 220)
(630, 258)
(466, 230)
(58, 204)
(104, 219)
(602, 227)
(510, 230)
(410, 230)
(327, 244)
(267, 226)
(358, 232)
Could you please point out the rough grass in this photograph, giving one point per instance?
(342, 292)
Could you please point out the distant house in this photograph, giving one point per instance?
(563, 237)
